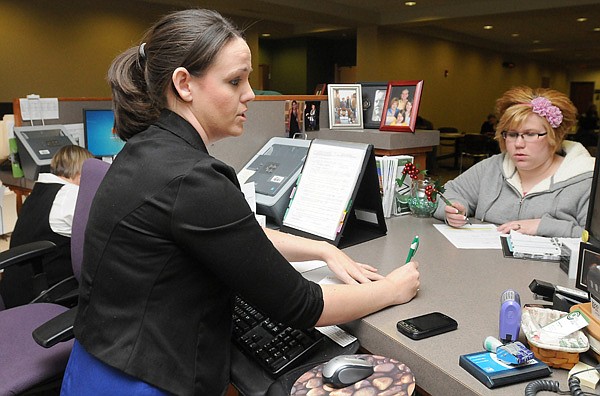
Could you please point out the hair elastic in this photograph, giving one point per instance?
(142, 52)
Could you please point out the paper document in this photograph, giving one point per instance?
(39, 109)
(318, 204)
(304, 266)
(337, 335)
(476, 236)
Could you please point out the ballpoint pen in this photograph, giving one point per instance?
(413, 248)
(447, 202)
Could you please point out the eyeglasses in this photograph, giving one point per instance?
(528, 137)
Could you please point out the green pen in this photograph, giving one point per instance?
(413, 248)
(447, 202)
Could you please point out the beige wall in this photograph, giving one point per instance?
(64, 48)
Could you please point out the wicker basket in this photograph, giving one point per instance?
(563, 353)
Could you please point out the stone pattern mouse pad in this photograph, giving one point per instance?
(389, 378)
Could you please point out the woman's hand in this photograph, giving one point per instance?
(405, 282)
(456, 214)
(529, 226)
(295, 248)
(346, 269)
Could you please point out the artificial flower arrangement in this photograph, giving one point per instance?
(431, 190)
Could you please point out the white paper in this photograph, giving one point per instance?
(337, 335)
(476, 236)
(39, 109)
(304, 266)
(326, 185)
(76, 132)
(249, 191)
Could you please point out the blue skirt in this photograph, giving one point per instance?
(87, 376)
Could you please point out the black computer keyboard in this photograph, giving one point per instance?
(275, 346)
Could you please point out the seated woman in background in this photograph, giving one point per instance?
(47, 214)
(540, 183)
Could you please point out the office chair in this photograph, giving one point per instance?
(25, 365)
(60, 328)
(474, 146)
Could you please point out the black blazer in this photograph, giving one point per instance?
(170, 238)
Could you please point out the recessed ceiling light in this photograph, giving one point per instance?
(581, 19)
(536, 41)
(597, 29)
(410, 3)
(265, 35)
(514, 35)
(488, 27)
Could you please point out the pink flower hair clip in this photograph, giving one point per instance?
(546, 109)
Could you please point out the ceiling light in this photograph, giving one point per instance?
(597, 29)
(581, 19)
(514, 35)
(410, 3)
(488, 27)
(536, 41)
(265, 35)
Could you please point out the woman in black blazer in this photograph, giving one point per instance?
(170, 238)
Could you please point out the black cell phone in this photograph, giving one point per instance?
(427, 325)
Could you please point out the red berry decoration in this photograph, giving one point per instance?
(411, 170)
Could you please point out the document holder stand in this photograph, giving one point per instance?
(342, 207)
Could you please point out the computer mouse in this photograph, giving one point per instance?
(345, 370)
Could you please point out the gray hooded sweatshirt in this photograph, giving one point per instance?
(491, 191)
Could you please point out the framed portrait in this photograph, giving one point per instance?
(293, 118)
(373, 102)
(345, 106)
(311, 115)
(589, 255)
(401, 106)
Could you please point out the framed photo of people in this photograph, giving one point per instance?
(373, 101)
(345, 106)
(401, 106)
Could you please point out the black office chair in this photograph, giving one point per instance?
(474, 146)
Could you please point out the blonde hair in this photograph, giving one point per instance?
(68, 160)
(514, 106)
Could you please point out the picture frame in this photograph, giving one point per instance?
(311, 115)
(345, 106)
(589, 255)
(373, 95)
(320, 89)
(399, 95)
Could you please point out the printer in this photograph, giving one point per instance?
(274, 171)
(37, 144)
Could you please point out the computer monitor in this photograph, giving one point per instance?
(98, 129)
(592, 224)
(274, 170)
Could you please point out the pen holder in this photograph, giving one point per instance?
(419, 204)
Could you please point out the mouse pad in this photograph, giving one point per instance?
(389, 378)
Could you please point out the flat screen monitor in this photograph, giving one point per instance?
(592, 224)
(100, 138)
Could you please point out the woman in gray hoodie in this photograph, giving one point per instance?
(540, 184)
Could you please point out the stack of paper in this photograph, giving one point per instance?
(389, 168)
(534, 247)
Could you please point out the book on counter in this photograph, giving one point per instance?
(493, 373)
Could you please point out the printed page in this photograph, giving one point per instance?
(323, 193)
(476, 236)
